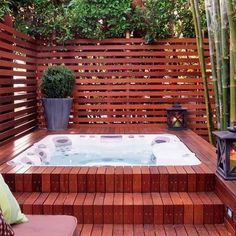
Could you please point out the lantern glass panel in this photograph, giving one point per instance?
(232, 156)
(221, 147)
(177, 119)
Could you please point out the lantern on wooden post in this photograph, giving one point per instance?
(176, 117)
(226, 152)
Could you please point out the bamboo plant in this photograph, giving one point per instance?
(225, 63)
(232, 28)
(221, 22)
(200, 46)
(213, 60)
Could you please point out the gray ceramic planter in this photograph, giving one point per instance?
(57, 111)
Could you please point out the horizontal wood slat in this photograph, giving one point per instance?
(118, 81)
(18, 104)
(125, 81)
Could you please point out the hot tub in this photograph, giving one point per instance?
(107, 150)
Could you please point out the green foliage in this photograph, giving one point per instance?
(43, 19)
(57, 82)
(59, 20)
(183, 18)
(158, 17)
(137, 22)
(4, 7)
(100, 18)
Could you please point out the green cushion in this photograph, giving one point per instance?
(9, 206)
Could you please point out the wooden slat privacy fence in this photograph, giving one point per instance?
(119, 82)
(18, 84)
(125, 82)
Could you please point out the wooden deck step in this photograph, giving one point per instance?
(152, 230)
(109, 179)
(128, 208)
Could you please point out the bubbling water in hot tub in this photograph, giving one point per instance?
(104, 150)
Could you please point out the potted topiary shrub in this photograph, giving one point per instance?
(56, 87)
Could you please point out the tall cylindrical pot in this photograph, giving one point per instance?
(57, 112)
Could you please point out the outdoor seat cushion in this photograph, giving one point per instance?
(47, 225)
(5, 228)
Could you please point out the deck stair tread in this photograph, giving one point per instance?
(152, 230)
(109, 179)
(128, 208)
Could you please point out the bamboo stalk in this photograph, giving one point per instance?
(225, 63)
(208, 7)
(232, 89)
(232, 26)
(217, 36)
(199, 38)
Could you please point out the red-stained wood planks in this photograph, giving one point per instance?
(128, 179)
(127, 208)
(178, 208)
(73, 180)
(154, 179)
(91, 179)
(188, 208)
(110, 179)
(18, 90)
(198, 208)
(137, 179)
(138, 208)
(88, 211)
(38, 204)
(151, 230)
(48, 204)
(69, 204)
(158, 208)
(118, 208)
(100, 180)
(148, 209)
(119, 179)
(145, 179)
(168, 209)
(78, 207)
(125, 79)
(108, 209)
(46, 179)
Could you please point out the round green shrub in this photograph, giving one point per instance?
(57, 82)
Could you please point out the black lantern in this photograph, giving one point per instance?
(226, 152)
(176, 117)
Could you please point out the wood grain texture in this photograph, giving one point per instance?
(127, 82)
(18, 84)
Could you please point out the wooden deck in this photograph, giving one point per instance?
(172, 200)
(152, 230)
